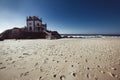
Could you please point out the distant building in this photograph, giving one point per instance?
(34, 24)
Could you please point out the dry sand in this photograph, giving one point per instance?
(63, 59)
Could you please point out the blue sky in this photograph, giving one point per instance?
(65, 16)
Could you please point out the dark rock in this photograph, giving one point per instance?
(1, 39)
(21, 33)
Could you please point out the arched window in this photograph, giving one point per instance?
(38, 28)
(30, 28)
(38, 24)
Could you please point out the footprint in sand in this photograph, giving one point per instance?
(102, 72)
(62, 77)
(98, 66)
(9, 59)
(96, 78)
(54, 75)
(20, 57)
(88, 75)
(86, 60)
(26, 54)
(13, 62)
(40, 77)
(112, 74)
(36, 64)
(2, 67)
(0, 62)
(72, 65)
(74, 74)
(24, 74)
(113, 68)
(88, 68)
(66, 61)
(58, 61)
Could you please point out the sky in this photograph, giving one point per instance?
(64, 16)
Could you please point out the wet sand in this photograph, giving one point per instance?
(63, 59)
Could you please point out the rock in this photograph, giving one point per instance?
(21, 33)
(1, 39)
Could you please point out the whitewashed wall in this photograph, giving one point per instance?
(36, 22)
(30, 25)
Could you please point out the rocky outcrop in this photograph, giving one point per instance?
(21, 33)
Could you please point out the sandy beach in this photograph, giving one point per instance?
(62, 59)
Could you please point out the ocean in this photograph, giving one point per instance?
(90, 35)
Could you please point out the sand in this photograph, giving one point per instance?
(63, 59)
